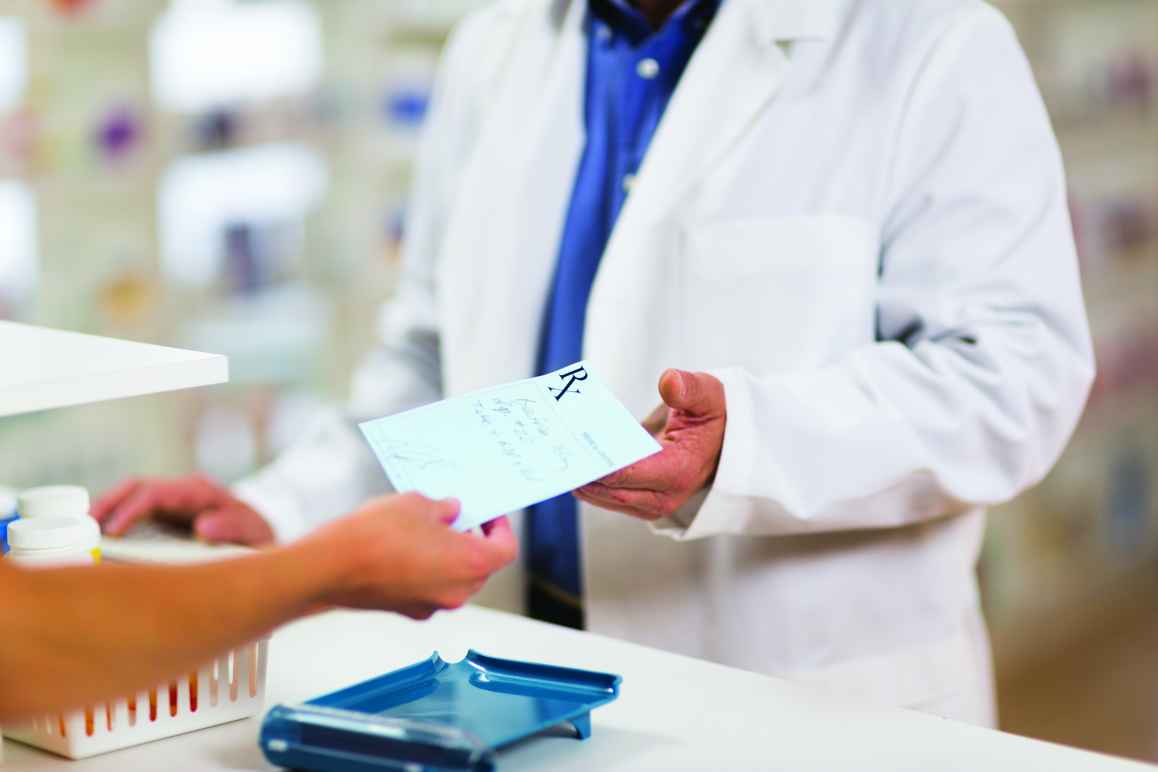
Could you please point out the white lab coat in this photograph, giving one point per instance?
(854, 214)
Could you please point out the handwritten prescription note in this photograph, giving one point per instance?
(505, 448)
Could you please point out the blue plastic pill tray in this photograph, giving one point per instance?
(434, 716)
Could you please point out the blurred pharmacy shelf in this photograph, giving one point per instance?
(1072, 566)
(236, 176)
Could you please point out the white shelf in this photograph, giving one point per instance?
(41, 369)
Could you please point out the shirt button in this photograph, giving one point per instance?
(628, 182)
(604, 33)
(647, 69)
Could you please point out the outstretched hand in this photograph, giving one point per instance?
(399, 553)
(690, 426)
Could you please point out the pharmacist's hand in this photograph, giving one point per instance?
(399, 553)
(213, 513)
(690, 426)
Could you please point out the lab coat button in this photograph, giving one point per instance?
(648, 69)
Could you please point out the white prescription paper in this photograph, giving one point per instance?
(505, 448)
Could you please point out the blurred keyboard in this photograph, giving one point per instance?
(154, 542)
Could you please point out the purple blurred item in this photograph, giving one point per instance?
(119, 132)
(1128, 223)
(1131, 78)
(243, 258)
(396, 225)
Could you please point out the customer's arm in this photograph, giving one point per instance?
(72, 636)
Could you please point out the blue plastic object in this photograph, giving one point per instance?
(434, 716)
(4, 523)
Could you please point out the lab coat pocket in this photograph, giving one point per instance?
(777, 294)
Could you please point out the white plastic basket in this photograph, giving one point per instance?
(232, 688)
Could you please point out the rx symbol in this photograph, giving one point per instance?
(569, 378)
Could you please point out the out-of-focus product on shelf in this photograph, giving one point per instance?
(71, 7)
(1127, 366)
(128, 297)
(54, 541)
(260, 52)
(205, 202)
(406, 95)
(19, 142)
(1114, 226)
(1098, 57)
(118, 133)
(1128, 224)
(1131, 78)
(1130, 501)
(217, 129)
(13, 63)
(19, 252)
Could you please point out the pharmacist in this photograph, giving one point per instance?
(844, 223)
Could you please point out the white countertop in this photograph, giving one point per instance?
(46, 368)
(673, 713)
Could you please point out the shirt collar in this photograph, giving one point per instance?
(623, 17)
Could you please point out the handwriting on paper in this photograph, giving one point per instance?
(504, 448)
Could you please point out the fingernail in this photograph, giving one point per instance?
(679, 389)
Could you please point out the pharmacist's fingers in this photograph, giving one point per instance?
(173, 496)
(232, 525)
(176, 500)
(655, 422)
(645, 505)
(137, 506)
(112, 499)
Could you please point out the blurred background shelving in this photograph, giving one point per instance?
(231, 176)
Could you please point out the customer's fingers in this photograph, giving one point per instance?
(502, 542)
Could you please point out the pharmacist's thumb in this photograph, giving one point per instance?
(230, 526)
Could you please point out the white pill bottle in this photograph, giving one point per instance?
(44, 542)
(52, 542)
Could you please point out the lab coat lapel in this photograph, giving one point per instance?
(513, 206)
(738, 69)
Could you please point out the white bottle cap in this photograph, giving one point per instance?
(48, 533)
(54, 501)
(7, 502)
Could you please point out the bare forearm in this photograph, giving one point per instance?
(78, 635)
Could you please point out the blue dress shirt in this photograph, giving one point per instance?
(632, 73)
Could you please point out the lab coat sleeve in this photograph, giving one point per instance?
(330, 471)
(983, 361)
